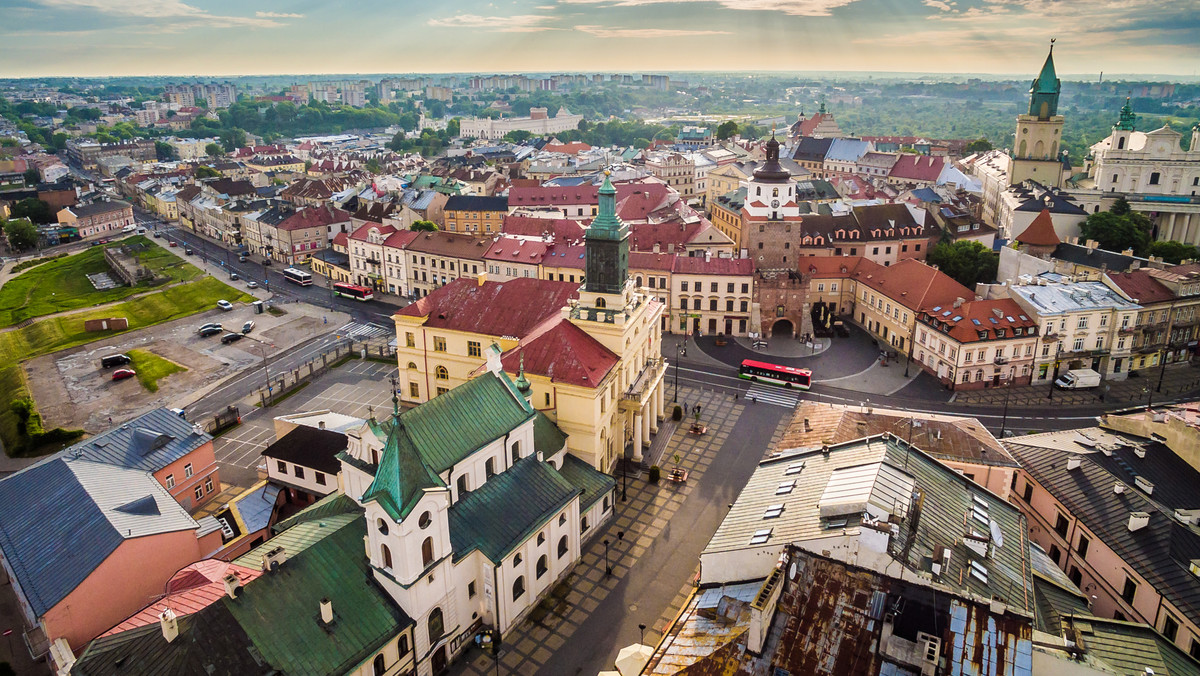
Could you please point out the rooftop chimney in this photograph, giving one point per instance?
(1118, 488)
(1073, 462)
(320, 424)
(1143, 485)
(170, 625)
(273, 559)
(232, 585)
(480, 279)
(326, 611)
(1138, 520)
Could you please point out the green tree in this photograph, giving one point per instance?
(34, 209)
(32, 176)
(979, 146)
(1173, 252)
(1120, 207)
(424, 226)
(727, 129)
(454, 126)
(373, 166)
(213, 149)
(1117, 232)
(8, 142)
(968, 262)
(207, 172)
(21, 234)
(165, 151)
(518, 136)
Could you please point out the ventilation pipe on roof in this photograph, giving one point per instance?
(1138, 520)
(326, 611)
(1074, 462)
(232, 585)
(170, 624)
(1118, 488)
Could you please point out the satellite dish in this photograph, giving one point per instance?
(792, 571)
(997, 536)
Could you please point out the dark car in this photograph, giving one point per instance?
(210, 325)
(210, 331)
(122, 374)
(267, 261)
(230, 337)
(112, 360)
(188, 251)
(242, 258)
(248, 326)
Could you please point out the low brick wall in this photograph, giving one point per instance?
(110, 324)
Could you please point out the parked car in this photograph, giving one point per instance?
(157, 235)
(179, 412)
(242, 258)
(188, 251)
(102, 241)
(233, 276)
(122, 374)
(252, 284)
(174, 243)
(225, 305)
(112, 360)
(210, 331)
(210, 325)
(248, 326)
(266, 261)
(230, 337)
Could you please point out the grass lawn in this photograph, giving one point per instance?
(62, 284)
(151, 368)
(12, 388)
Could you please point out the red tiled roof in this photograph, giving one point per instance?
(363, 232)
(698, 265)
(807, 127)
(451, 244)
(572, 148)
(647, 260)
(570, 256)
(999, 313)
(341, 239)
(513, 308)
(549, 196)
(1041, 231)
(915, 285)
(314, 217)
(835, 267)
(400, 239)
(1141, 286)
(643, 200)
(563, 229)
(917, 167)
(516, 250)
(565, 354)
(643, 236)
(188, 591)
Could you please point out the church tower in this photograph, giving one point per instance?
(770, 192)
(1036, 153)
(606, 252)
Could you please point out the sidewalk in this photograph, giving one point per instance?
(1141, 387)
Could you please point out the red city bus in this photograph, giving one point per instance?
(775, 374)
(353, 291)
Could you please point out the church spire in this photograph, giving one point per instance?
(1043, 93)
(606, 245)
(1127, 119)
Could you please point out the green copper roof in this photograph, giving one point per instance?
(547, 438)
(432, 438)
(297, 538)
(1130, 647)
(606, 225)
(592, 483)
(331, 505)
(1043, 93)
(1128, 119)
(508, 508)
(280, 611)
(1047, 80)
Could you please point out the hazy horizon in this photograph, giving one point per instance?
(175, 38)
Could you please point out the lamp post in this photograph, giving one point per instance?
(1007, 390)
(641, 633)
(489, 640)
(607, 565)
(680, 352)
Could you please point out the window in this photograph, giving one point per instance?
(541, 566)
(199, 492)
(1130, 591)
(541, 539)
(583, 525)
(1060, 525)
(298, 471)
(386, 555)
(1083, 323)
(518, 589)
(516, 451)
(489, 468)
(208, 485)
(171, 480)
(517, 559)
(1055, 553)
(683, 286)
(427, 551)
(1028, 494)
(562, 546)
(414, 390)
(439, 344)
(441, 373)
(1154, 177)
(187, 470)
(1078, 345)
(410, 340)
(473, 349)
(471, 589)
(1194, 651)
(712, 304)
(1076, 577)
(437, 625)
(462, 486)
(547, 399)
(1082, 547)
(379, 666)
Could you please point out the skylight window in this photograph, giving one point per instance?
(978, 571)
(993, 320)
(956, 318)
(937, 309)
(980, 514)
(773, 512)
(794, 468)
(976, 322)
(785, 488)
(761, 536)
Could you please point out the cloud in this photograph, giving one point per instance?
(517, 23)
(278, 15)
(602, 32)
(792, 7)
(938, 4)
(159, 10)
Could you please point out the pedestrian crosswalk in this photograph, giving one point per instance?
(360, 331)
(776, 396)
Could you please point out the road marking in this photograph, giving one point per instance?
(772, 395)
(362, 331)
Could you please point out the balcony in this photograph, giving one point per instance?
(640, 388)
(1000, 361)
(1050, 337)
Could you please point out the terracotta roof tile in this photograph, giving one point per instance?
(1040, 232)
(513, 308)
(564, 354)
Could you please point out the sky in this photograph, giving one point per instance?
(231, 37)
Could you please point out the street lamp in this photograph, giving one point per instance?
(680, 352)
(489, 640)
(1007, 390)
(607, 565)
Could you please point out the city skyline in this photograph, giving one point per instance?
(177, 38)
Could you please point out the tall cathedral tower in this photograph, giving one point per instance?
(606, 248)
(1036, 147)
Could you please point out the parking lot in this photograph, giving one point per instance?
(72, 390)
(356, 388)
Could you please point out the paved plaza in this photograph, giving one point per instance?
(664, 528)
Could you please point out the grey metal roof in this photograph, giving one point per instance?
(1096, 258)
(1160, 552)
(1056, 298)
(149, 442)
(61, 518)
(945, 500)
